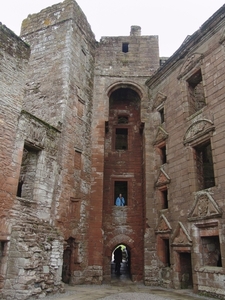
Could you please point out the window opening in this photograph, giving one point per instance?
(167, 252)
(161, 112)
(204, 166)
(125, 48)
(164, 250)
(121, 139)
(77, 160)
(164, 197)
(120, 187)
(27, 172)
(122, 120)
(196, 92)
(211, 251)
(163, 154)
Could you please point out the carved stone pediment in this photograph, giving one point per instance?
(198, 129)
(181, 237)
(160, 98)
(163, 179)
(204, 207)
(192, 61)
(163, 225)
(161, 135)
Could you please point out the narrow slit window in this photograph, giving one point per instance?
(161, 112)
(163, 154)
(121, 142)
(125, 47)
(164, 199)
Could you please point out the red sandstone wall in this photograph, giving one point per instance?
(190, 215)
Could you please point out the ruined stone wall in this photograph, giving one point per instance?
(193, 221)
(59, 92)
(14, 55)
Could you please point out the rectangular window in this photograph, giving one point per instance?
(163, 154)
(204, 166)
(164, 199)
(161, 112)
(77, 160)
(120, 187)
(163, 250)
(167, 252)
(211, 251)
(27, 172)
(125, 47)
(196, 95)
(121, 139)
(80, 108)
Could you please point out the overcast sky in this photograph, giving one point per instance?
(171, 20)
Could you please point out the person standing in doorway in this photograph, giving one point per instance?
(118, 260)
(120, 200)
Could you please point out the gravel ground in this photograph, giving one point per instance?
(134, 296)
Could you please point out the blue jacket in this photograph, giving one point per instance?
(120, 201)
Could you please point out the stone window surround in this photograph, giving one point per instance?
(207, 229)
(190, 158)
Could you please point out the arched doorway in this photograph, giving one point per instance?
(120, 268)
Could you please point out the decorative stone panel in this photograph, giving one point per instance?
(181, 237)
(205, 207)
(163, 178)
(197, 130)
(163, 225)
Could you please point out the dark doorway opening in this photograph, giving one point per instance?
(124, 265)
(67, 254)
(186, 271)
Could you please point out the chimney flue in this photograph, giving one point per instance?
(135, 30)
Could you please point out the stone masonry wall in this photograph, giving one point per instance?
(14, 55)
(193, 214)
(59, 92)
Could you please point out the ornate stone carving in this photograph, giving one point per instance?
(190, 63)
(159, 99)
(204, 207)
(198, 129)
(163, 225)
(181, 237)
(163, 178)
(161, 135)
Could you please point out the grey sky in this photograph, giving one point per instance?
(171, 20)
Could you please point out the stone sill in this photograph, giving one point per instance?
(25, 201)
(210, 269)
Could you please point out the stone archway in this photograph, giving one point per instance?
(113, 243)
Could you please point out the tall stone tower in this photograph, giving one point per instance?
(122, 65)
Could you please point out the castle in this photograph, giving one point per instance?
(83, 121)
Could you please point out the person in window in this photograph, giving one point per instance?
(120, 201)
